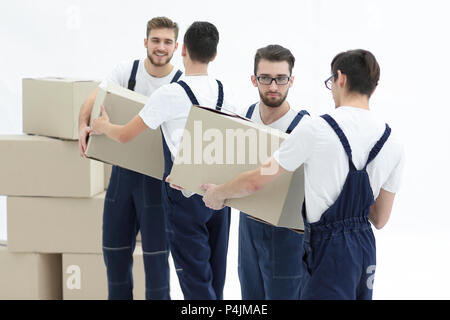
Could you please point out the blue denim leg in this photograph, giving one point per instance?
(152, 221)
(348, 255)
(249, 270)
(119, 235)
(219, 231)
(194, 232)
(270, 261)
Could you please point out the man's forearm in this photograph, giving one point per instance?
(381, 210)
(243, 185)
(251, 181)
(116, 132)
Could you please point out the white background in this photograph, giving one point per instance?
(74, 38)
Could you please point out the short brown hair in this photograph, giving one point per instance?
(274, 52)
(361, 68)
(162, 23)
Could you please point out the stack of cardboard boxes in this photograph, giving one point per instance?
(54, 201)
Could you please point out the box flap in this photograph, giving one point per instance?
(61, 79)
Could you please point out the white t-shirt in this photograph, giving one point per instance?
(317, 146)
(145, 83)
(281, 124)
(169, 106)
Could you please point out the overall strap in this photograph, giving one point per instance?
(380, 143)
(220, 97)
(176, 76)
(342, 138)
(132, 80)
(296, 120)
(250, 111)
(189, 92)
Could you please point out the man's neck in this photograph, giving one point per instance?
(270, 115)
(157, 71)
(195, 68)
(355, 101)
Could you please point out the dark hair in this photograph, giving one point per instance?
(201, 40)
(162, 23)
(360, 67)
(274, 52)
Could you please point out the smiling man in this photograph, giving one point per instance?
(133, 200)
(198, 236)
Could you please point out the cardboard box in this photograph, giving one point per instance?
(51, 106)
(216, 147)
(55, 225)
(41, 166)
(144, 154)
(84, 276)
(30, 276)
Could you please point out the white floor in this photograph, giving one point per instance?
(412, 263)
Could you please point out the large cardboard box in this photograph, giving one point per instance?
(41, 166)
(144, 154)
(55, 225)
(51, 106)
(84, 276)
(216, 147)
(30, 276)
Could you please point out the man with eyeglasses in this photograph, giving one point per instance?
(269, 265)
(353, 167)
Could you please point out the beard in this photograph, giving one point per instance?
(159, 64)
(271, 102)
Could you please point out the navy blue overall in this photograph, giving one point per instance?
(339, 249)
(270, 266)
(133, 203)
(198, 235)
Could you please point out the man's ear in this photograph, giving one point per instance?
(183, 50)
(145, 42)
(253, 78)
(214, 56)
(291, 82)
(176, 46)
(341, 79)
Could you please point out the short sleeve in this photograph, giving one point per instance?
(166, 103)
(393, 183)
(154, 112)
(118, 76)
(230, 104)
(298, 147)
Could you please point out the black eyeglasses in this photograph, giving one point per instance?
(329, 82)
(266, 80)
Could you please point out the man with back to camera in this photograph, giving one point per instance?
(269, 265)
(133, 200)
(198, 236)
(353, 169)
